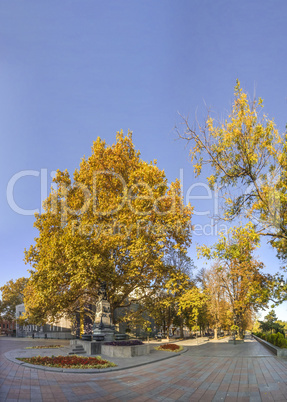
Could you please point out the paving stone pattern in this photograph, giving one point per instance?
(209, 372)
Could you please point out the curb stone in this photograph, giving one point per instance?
(89, 371)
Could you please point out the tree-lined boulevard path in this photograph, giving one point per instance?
(213, 371)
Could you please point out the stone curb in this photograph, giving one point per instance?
(279, 352)
(89, 371)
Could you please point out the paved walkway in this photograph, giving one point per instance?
(121, 363)
(214, 371)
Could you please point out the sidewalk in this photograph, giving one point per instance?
(122, 363)
(213, 371)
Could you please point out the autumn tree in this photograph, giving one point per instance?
(248, 162)
(215, 312)
(217, 305)
(191, 305)
(12, 295)
(163, 306)
(239, 274)
(114, 221)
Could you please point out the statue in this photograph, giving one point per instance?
(103, 328)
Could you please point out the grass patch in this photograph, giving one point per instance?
(71, 361)
(169, 347)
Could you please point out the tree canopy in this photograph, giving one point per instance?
(115, 221)
(12, 295)
(238, 275)
(271, 323)
(247, 156)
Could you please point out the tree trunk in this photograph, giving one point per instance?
(215, 333)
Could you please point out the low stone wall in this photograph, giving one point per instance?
(125, 351)
(50, 335)
(97, 348)
(280, 352)
(55, 335)
(91, 347)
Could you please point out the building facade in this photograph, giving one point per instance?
(58, 330)
(7, 328)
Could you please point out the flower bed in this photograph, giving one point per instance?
(169, 347)
(45, 347)
(72, 361)
(125, 343)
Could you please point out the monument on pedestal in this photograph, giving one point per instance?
(103, 329)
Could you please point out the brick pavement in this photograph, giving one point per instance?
(209, 372)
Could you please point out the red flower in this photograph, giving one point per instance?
(68, 361)
(169, 346)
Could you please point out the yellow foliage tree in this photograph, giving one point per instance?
(249, 164)
(12, 295)
(114, 222)
(238, 274)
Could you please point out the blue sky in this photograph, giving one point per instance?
(71, 71)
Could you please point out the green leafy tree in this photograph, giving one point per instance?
(283, 325)
(271, 323)
(271, 317)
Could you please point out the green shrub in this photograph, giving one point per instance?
(272, 338)
(281, 341)
(260, 335)
(276, 339)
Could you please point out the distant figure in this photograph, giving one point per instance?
(45, 336)
(33, 335)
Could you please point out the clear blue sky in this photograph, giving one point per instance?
(74, 70)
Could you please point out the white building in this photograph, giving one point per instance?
(57, 330)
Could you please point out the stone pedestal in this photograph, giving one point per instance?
(91, 347)
(108, 335)
(103, 328)
(86, 337)
(125, 351)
